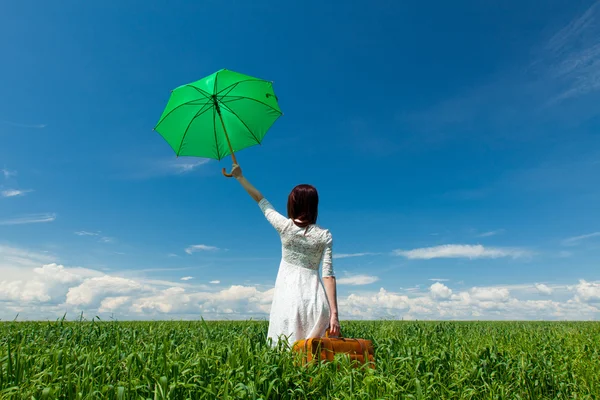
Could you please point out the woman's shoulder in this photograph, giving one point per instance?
(325, 233)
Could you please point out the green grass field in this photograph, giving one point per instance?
(209, 360)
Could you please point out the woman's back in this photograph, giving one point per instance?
(303, 247)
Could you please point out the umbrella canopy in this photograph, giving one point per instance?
(218, 115)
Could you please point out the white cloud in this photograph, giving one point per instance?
(38, 289)
(482, 303)
(187, 278)
(61, 274)
(47, 283)
(173, 299)
(14, 192)
(576, 239)
(8, 173)
(51, 289)
(574, 55)
(14, 257)
(440, 291)
(29, 219)
(439, 279)
(235, 300)
(20, 125)
(491, 233)
(86, 233)
(490, 294)
(200, 247)
(379, 305)
(357, 280)
(111, 304)
(103, 239)
(588, 292)
(215, 282)
(543, 289)
(460, 251)
(91, 292)
(182, 166)
(152, 167)
(23, 291)
(343, 255)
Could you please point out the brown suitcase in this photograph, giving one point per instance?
(325, 348)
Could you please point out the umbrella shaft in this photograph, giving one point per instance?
(225, 130)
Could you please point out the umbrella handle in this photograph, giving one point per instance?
(234, 161)
(226, 174)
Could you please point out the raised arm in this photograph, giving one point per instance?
(252, 191)
(278, 221)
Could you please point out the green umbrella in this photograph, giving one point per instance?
(218, 115)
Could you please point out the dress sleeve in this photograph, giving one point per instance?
(278, 221)
(328, 257)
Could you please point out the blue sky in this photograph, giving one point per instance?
(455, 148)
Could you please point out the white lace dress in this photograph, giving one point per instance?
(300, 307)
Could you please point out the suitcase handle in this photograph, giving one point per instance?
(327, 334)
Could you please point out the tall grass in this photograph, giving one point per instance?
(210, 360)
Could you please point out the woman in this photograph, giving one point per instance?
(303, 305)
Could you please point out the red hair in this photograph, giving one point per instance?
(303, 205)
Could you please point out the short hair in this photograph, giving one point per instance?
(303, 205)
